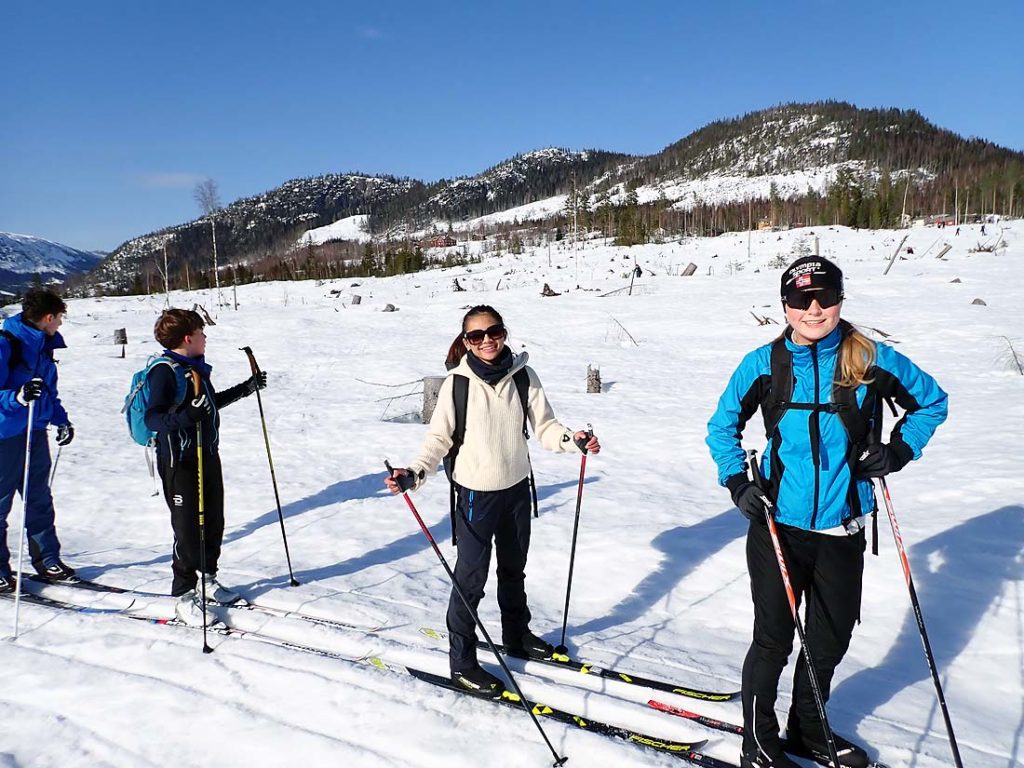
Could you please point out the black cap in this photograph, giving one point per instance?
(811, 273)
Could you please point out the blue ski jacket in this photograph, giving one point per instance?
(812, 479)
(34, 358)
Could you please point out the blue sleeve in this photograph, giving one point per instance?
(740, 400)
(917, 393)
(163, 387)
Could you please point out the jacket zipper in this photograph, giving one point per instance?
(815, 435)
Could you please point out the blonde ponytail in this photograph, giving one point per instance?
(856, 358)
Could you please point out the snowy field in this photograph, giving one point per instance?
(660, 582)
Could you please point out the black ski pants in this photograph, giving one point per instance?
(480, 517)
(826, 573)
(181, 492)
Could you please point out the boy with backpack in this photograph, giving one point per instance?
(174, 412)
(27, 343)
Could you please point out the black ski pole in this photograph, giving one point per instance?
(273, 476)
(819, 700)
(920, 622)
(197, 388)
(476, 619)
(575, 528)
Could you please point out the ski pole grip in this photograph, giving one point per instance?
(253, 365)
(582, 442)
(405, 482)
(755, 469)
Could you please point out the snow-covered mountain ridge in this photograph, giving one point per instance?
(786, 152)
(23, 257)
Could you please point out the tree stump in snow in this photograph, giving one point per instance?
(456, 287)
(389, 308)
(980, 302)
(548, 292)
(431, 387)
(356, 299)
(691, 268)
(593, 380)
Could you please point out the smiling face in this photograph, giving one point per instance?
(486, 348)
(814, 323)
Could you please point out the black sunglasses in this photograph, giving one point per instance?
(826, 297)
(496, 332)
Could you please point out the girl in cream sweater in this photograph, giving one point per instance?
(492, 482)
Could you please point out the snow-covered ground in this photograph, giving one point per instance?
(660, 583)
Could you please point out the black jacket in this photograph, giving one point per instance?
(175, 429)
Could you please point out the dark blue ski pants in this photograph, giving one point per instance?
(43, 545)
(480, 518)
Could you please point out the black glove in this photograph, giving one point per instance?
(405, 478)
(581, 442)
(65, 434)
(256, 381)
(879, 460)
(199, 408)
(748, 498)
(29, 391)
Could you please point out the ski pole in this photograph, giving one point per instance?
(196, 387)
(575, 527)
(56, 460)
(920, 622)
(819, 700)
(24, 513)
(476, 619)
(273, 477)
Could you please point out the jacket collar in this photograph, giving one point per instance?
(826, 346)
(33, 340)
(199, 363)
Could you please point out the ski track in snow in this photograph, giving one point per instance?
(660, 585)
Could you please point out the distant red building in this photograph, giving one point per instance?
(441, 241)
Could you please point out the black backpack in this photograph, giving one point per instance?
(460, 395)
(863, 424)
(15, 344)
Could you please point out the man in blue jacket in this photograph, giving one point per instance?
(27, 343)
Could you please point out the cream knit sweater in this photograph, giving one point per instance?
(494, 453)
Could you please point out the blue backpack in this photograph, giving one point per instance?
(137, 400)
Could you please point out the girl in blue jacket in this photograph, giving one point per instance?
(820, 387)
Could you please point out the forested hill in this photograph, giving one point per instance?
(804, 136)
(826, 162)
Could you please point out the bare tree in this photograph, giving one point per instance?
(207, 198)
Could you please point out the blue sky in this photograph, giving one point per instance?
(114, 109)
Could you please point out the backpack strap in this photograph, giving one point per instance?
(522, 381)
(460, 398)
(15, 344)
